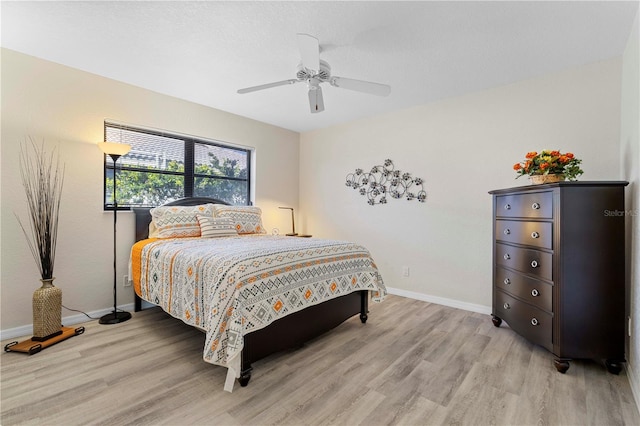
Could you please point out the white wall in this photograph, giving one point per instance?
(67, 107)
(630, 171)
(462, 147)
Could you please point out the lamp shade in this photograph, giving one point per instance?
(114, 148)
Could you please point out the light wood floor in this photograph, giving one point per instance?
(413, 363)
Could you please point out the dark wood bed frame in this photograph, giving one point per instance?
(289, 332)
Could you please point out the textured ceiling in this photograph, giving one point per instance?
(204, 51)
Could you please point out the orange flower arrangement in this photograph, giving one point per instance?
(549, 162)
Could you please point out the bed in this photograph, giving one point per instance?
(253, 294)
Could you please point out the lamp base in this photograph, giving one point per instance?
(115, 318)
(291, 235)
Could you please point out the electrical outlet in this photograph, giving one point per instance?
(405, 271)
(125, 281)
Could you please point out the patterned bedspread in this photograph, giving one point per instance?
(232, 286)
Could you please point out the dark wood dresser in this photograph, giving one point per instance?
(559, 268)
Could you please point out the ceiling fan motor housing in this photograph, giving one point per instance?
(323, 74)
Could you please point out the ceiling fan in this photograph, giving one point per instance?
(315, 71)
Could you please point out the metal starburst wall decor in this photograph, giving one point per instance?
(383, 181)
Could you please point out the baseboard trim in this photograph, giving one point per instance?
(27, 330)
(481, 309)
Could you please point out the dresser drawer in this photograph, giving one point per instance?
(537, 234)
(530, 205)
(529, 261)
(533, 324)
(536, 292)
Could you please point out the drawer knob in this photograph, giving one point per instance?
(506, 256)
(507, 206)
(506, 306)
(535, 292)
(535, 234)
(507, 231)
(535, 206)
(534, 321)
(534, 263)
(507, 281)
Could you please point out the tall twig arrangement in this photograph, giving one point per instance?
(42, 178)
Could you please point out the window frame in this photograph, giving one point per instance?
(189, 174)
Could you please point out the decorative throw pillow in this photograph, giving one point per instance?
(179, 221)
(245, 219)
(212, 227)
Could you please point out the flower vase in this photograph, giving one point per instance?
(550, 178)
(47, 311)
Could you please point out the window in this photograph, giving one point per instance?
(163, 167)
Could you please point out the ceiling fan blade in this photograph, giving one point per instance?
(267, 86)
(361, 86)
(309, 51)
(316, 102)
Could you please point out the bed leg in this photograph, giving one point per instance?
(137, 303)
(245, 376)
(364, 306)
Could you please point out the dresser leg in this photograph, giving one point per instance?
(496, 321)
(561, 364)
(614, 366)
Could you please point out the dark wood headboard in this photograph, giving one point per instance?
(143, 217)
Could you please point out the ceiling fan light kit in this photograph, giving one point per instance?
(315, 71)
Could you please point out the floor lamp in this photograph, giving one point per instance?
(115, 151)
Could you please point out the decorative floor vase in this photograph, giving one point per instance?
(47, 311)
(539, 179)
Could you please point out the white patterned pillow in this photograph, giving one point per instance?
(212, 227)
(179, 221)
(245, 219)
(153, 231)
